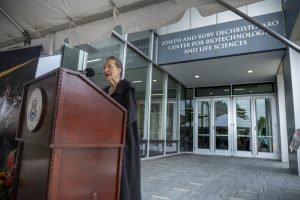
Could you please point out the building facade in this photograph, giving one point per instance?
(214, 85)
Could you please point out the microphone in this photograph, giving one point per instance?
(88, 72)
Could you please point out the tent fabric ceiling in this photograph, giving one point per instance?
(82, 22)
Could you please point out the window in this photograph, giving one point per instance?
(261, 88)
(156, 133)
(136, 70)
(172, 117)
(141, 40)
(212, 91)
(188, 140)
(97, 52)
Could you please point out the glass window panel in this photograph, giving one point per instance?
(172, 116)
(156, 132)
(141, 40)
(265, 144)
(136, 72)
(243, 121)
(222, 142)
(263, 117)
(204, 117)
(156, 147)
(221, 117)
(203, 124)
(189, 137)
(73, 58)
(212, 91)
(133, 60)
(203, 142)
(172, 147)
(182, 119)
(97, 52)
(264, 124)
(243, 116)
(221, 124)
(243, 143)
(119, 30)
(253, 88)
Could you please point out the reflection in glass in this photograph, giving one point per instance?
(265, 144)
(156, 134)
(243, 124)
(203, 124)
(172, 147)
(257, 88)
(213, 91)
(243, 143)
(189, 117)
(73, 57)
(203, 142)
(171, 123)
(221, 124)
(141, 40)
(97, 52)
(156, 147)
(222, 142)
(137, 73)
(183, 120)
(264, 125)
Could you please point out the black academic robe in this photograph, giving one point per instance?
(131, 175)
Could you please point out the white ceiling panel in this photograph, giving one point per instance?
(228, 70)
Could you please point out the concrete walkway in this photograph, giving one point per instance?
(197, 177)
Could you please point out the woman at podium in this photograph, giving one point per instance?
(124, 93)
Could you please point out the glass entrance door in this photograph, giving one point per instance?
(255, 127)
(242, 126)
(212, 126)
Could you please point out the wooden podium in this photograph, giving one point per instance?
(70, 137)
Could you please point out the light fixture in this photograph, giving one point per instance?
(250, 71)
(95, 60)
(157, 94)
(137, 81)
(211, 93)
(239, 89)
(250, 91)
(154, 80)
(197, 76)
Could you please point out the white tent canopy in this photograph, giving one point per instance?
(83, 21)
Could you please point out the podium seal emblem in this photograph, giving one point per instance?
(35, 108)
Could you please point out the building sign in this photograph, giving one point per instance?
(230, 38)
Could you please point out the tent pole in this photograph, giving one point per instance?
(24, 32)
(262, 27)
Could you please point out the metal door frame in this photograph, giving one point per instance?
(254, 149)
(212, 149)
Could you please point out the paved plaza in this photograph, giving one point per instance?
(197, 177)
